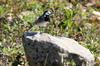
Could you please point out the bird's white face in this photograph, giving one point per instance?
(47, 13)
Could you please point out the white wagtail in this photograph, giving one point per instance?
(42, 20)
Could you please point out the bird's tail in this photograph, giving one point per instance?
(31, 27)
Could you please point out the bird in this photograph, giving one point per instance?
(42, 20)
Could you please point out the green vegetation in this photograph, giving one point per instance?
(67, 22)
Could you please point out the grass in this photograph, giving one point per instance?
(64, 22)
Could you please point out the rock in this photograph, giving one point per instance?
(95, 16)
(45, 50)
(96, 13)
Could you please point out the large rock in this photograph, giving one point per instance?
(45, 50)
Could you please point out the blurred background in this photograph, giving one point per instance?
(76, 19)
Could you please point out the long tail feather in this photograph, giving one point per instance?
(31, 27)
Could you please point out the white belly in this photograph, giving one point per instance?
(41, 24)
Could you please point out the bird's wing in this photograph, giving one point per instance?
(38, 21)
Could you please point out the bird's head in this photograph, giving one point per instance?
(46, 13)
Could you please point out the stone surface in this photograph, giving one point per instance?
(45, 50)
